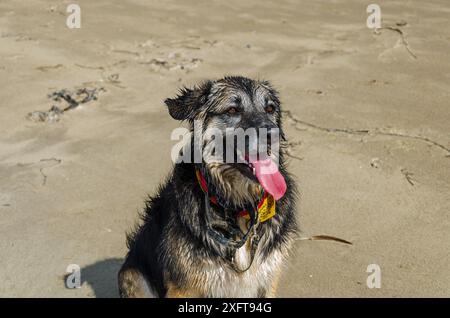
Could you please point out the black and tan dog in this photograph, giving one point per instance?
(204, 234)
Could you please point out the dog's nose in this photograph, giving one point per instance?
(261, 142)
(256, 121)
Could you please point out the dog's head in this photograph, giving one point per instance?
(238, 122)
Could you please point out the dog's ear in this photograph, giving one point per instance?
(188, 101)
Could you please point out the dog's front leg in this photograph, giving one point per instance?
(132, 284)
(273, 288)
(176, 292)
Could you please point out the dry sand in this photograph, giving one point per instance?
(369, 126)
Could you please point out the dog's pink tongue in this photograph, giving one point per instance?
(270, 178)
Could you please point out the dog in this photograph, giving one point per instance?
(202, 234)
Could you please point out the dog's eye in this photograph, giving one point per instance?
(269, 109)
(232, 110)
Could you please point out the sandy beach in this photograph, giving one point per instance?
(367, 116)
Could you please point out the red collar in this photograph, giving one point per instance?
(204, 186)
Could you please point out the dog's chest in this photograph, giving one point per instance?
(226, 282)
(258, 272)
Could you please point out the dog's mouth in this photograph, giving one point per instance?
(266, 172)
(260, 167)
(247, 170)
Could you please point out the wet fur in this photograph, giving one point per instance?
(170, 253)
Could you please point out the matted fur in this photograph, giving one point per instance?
(170, 253)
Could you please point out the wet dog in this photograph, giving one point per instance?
(217, 228)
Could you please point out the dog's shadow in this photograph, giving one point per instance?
(102, 277)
